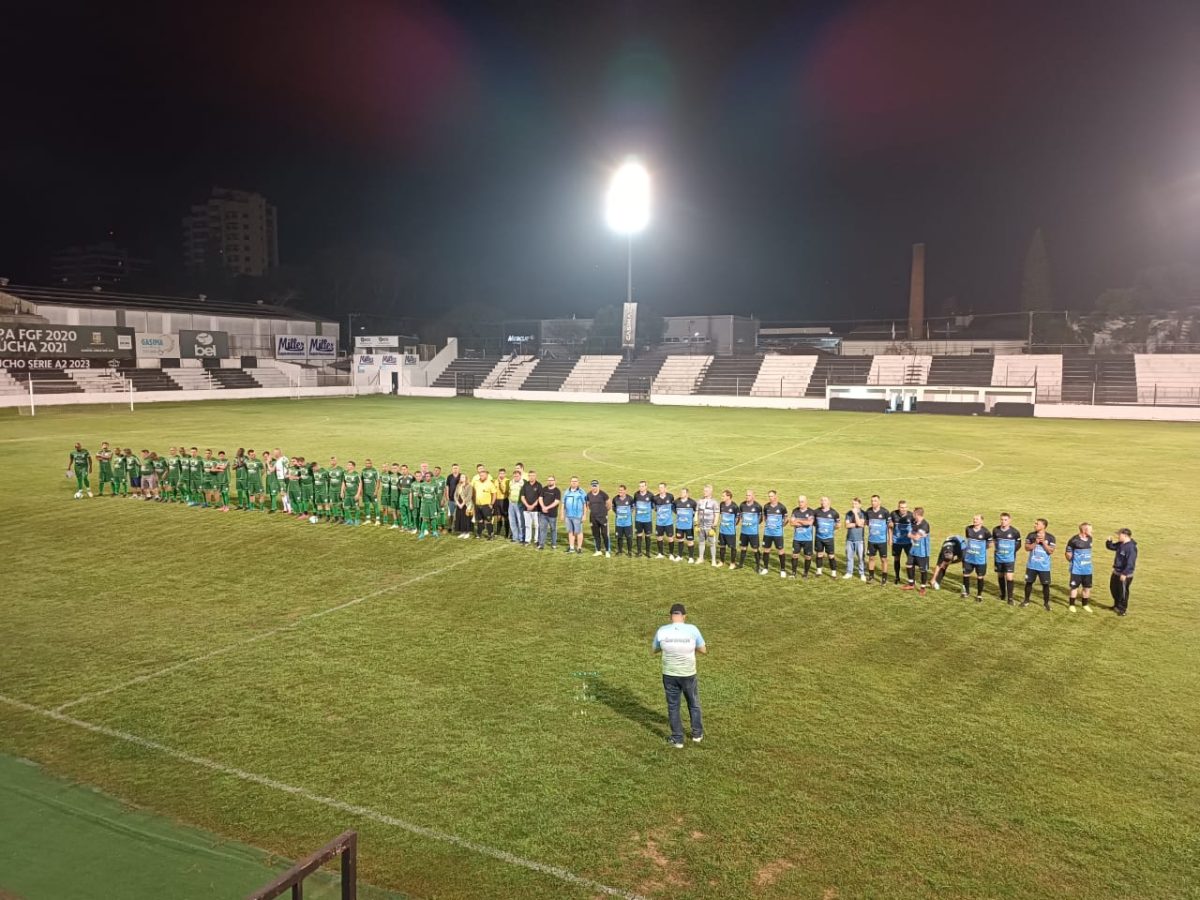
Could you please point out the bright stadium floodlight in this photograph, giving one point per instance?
(627, 208)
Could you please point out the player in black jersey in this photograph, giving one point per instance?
(1005, 540)
(664, 519)
(877, 538)
(727, 521)
(750, 519)
(775, 516)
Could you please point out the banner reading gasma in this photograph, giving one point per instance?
(66, 342)
(305, 346)
(157, 346)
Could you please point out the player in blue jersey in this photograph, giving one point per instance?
(1079, 555)
(1039, 544)
(664, 519)
(951, 552)
(877, 538)
(826, 521)
(919, 541)
(1005, 540)
(775, 516)
(685, 528)
(975, 556)
(750, 518)
(802, 534)
(622, 505)
(643, 517)
(899, 524)
(727, 522)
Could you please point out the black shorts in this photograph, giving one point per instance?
(750, 539)
(773, 541)
(664, 530)
(898, 549)
(802, 548)
(1005, 568)
(685, 534)
(642, 527)
(483, 512)
(919, 562)
(1081, 581)
(725, 540)
(879, 550)
(1032, 575)
(979, 569)
(825, 545)
(624, 529)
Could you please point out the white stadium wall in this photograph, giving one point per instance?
(1131, 413)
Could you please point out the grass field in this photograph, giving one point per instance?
(862, 742)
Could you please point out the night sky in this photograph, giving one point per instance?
(798, 149)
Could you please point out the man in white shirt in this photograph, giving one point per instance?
(281, 463)
(707, 510)
(679, 643)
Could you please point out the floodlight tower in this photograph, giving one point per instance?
(627, 208)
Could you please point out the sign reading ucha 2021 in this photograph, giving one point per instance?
(66, 342)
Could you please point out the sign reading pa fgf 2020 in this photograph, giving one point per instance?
(68, 342)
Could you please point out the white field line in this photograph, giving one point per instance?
(263, 635)
(330, 802)
(809, 440)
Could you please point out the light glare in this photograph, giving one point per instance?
(627, 205)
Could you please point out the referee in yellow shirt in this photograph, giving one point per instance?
(485, 493)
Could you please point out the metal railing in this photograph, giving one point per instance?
(344, 845)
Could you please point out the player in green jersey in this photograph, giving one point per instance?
(404, 500)
(370, 493)
(321, 490)
(192, 473)
(120, 474)
(252, 471)
(170, 483)
(275, 465)
(293, 485)
(104, 457)
(352, 492)
(221, 480)
(308, 487)
(443, 498)
(387, 493)
(146, 481)
(79, 461)
(429, 506)
(336, 476)
(208, 482)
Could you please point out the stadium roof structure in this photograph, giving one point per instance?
(201, 305)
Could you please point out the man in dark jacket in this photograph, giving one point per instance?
(1124, 563)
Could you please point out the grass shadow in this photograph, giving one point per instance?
(625, 703)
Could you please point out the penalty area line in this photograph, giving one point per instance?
(263, 635)
(363, 812)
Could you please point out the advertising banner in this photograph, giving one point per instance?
(629, 325)
(377, 342)
(291, 346)
(320, 347)
(390, 359)
(203, 344)
(157, 346)
(65, 342)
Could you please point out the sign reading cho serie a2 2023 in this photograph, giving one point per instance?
(66, 342)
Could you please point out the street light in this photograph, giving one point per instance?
(627, 207)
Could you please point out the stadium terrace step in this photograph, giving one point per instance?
(681, 374)
(1116, 380)
(98, 381)
(512, 374)
(732, 376)
(232, 378)
(269, 377)
(642, 370)
(468, 372)
(1078, 379)
(1168, 379)
(150, 380)
(784, 375)
(591, 374)
(47, 381)
(901, 369)
(191, 379)
(549, 374)
(974, 370)
(838, 370)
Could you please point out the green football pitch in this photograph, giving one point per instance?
(491, 718)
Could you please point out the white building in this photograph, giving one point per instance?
(234, 230)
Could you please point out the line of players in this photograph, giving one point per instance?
(681, 526)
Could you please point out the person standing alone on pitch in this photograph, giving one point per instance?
(1124, 563)
(679, 643)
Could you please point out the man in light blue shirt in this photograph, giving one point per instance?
(679, 643)
(573, 501)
